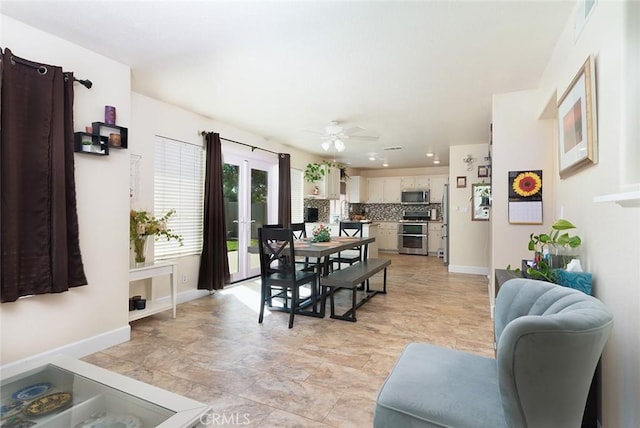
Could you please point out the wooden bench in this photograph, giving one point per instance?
(351, 277)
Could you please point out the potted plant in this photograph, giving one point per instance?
(314, 172)
(86, 145)
(552, 250)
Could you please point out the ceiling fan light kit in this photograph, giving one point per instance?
(335, 134)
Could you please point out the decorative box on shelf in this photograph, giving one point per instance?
(116, 135)
(91, 144)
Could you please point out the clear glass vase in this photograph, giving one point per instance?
(139, 248)
(560, 256)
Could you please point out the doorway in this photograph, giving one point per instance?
(250, 196)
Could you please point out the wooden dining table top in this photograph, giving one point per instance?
(305, 248)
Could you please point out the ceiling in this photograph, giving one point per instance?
(420, 75)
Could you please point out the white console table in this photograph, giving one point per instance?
(154, 305)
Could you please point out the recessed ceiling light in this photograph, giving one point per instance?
(372, 158)
(430, 154)
(385, 164)
(436, 161)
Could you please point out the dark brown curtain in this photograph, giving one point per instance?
(39, 225)
(284, 189)
(214, 264)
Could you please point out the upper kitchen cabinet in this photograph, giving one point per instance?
(332, 183)
(436, 187)
(414, 182)
(357, 189)
(383, 190)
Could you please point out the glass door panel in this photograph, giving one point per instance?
(249, 204)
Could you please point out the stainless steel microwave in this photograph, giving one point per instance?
(414, 196)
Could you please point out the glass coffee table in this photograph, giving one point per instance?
(65, 392)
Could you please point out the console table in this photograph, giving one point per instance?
(155, 305)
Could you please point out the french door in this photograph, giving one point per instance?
(250, 194)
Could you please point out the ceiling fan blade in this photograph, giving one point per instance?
(363, 137)
(352, 130)
(313, 132)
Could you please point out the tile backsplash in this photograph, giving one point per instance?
(375, 212)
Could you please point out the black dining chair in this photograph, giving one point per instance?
(350, 229)
(278, 271)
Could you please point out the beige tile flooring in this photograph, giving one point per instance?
(320, 373)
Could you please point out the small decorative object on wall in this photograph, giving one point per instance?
(469, 160)
(483, 170)
(461, 181)
(109, 115)
(577, 122)
(525, 197)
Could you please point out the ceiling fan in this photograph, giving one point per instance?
(334, 135)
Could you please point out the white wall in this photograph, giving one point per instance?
(610, 232)
(94, 315)
(469, 248)
(520, 142)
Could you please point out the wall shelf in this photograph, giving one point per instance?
(626, 199)
(99, 145)
(104, 130)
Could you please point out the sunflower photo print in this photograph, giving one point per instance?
(525, 185)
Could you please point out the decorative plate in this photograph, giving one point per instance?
(11, 409)
(31, 391)
(47, 404)
(110, 420)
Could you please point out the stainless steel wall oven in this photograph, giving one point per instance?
(412, 238)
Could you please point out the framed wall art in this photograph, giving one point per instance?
(483, 171)
(461, 181)
(577, 122)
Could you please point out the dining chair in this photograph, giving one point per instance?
(349, 229)
(278, 271)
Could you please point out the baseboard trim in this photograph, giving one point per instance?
(78, 349)
(472, 270)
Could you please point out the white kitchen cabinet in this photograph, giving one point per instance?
(383, 190)
(434, 238)
(375, 190)
(407, 183)
(357, 192)
(391, 190)
(436, 187)
(388, 236)
(332, 183)
(422, 181)
(412, 182)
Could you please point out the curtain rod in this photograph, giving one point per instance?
(43, 70)
(243, 144)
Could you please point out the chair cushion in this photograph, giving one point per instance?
(427, 388)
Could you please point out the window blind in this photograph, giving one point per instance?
(297, 202)
(178, 184)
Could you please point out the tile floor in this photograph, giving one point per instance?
(320, 373)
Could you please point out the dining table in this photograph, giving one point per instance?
(321, 252)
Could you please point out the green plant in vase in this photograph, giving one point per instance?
(552, 250)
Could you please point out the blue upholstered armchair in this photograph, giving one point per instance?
(549, 339)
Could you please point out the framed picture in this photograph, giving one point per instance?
(461, 181)
(577, 122)
(483, 171)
